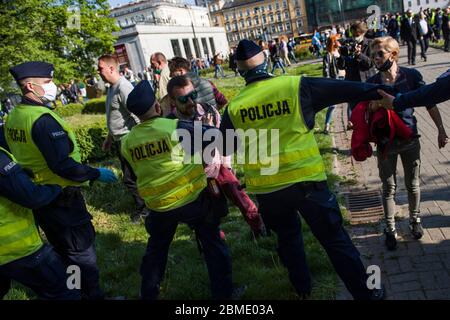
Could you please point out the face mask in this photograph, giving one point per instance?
(254, 73)
(385, 66)
(359, 39)
(50, 91)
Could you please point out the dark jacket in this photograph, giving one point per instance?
(408, 80)
(410, 31)
(359, 68)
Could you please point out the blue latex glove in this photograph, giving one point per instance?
(106, 176)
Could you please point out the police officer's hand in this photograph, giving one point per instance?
(107, 144)
(387, 101)
(106, 176)
(442, 139)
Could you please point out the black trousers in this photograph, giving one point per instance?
(412, 46)
(318, 206)
(68, 227)
(129, 180)
(42, 271)
(447, 41)
(424, 46)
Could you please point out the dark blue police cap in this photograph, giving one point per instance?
(247, 49)
(141, 99)
(32, 69)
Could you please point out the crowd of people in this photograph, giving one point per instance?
(41, 174)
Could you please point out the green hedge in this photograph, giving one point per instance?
(69, 110)
(90, 132)
(94, 106)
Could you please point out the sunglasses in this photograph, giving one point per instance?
(379, 54)
(193, 95)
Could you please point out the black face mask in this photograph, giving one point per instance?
(255, 72)
(385, 66)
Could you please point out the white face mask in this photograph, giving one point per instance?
(359, 39)
(50, 91)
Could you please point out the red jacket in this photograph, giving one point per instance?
(380, 127)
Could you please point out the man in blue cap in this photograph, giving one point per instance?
(289, 104)
(174, 191)
(23, 256)
(46, 146)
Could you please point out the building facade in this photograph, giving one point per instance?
(259, 19)
(170, 27)
(415, 5)
(334, 12)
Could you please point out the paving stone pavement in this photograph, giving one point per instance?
(418, 269)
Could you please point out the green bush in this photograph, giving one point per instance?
(303, 53)
(96, 105)
(204, 72)
(69, 110)
(90, 132)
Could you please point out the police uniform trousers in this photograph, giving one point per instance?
(203, 216)
(42, 271)
(319, 208)
(68, 227)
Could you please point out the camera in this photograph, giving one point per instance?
(348, 47)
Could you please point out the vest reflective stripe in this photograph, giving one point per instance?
(163, 180)
(19, 236)
(285, 158)
(274, 104)
(18, 132)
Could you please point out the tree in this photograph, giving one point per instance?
(47, 30)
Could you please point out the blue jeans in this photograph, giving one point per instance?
(162, 228)
(278, 64)
(318, 206)
(218, 68)
(42, 271)
(329, 115)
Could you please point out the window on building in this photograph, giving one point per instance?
(270, 7)
(227, 26)
(271, 17)
(196, 48)
(410, 4)
(234, 15)
(248, 12)
(280, 27)
(288, 26)
(427, 2)
(286, 14)
(205, 46)
(249, 22)
(240, 14)
(418, 2)
(277, 5)
(187, 48)
(274, 30)
(242, 24)
(215, 19)
(264, 18)
(262, 8)
(256, 20)
(211, 44)
(284, 4)
(176, 47)
(235, 26)
(298, 12)
(296, 3)
(227, 17)
(279, 16)
(126, 21)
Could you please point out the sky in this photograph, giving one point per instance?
(114, 3)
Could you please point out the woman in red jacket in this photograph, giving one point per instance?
(385, 52)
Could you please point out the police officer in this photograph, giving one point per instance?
(433, 93)
(44, 144)
(175, 192)
(23, 256)
(289, 104)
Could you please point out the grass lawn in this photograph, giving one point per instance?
(120, 244)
